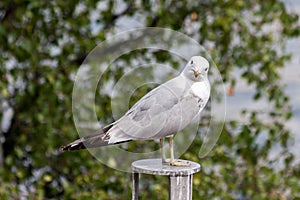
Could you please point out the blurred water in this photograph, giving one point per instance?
(243, 94)
(291, 78)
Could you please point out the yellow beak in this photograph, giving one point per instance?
(196, 73)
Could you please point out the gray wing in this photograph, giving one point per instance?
(165, 110)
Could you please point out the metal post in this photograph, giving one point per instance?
(180, 178)
(180, 187)
(135, 186)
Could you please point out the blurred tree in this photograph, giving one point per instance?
(44, 42)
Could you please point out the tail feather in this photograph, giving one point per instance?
(90, 141)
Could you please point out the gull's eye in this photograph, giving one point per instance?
(192, 62)
(206, 69)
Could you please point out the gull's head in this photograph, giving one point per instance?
(196, 69)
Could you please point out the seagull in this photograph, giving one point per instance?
(161, 113)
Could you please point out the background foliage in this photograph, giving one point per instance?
(42, 46)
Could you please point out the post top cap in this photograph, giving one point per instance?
(155, 167)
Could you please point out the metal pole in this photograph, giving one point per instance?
(135, 186)
(180, 187)
(180, 178)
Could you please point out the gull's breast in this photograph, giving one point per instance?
(201, 92)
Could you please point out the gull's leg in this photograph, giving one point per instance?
(163, 155)
(171, 149)
(174, 162)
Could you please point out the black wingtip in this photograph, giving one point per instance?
(77, 145)
(62, 149)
